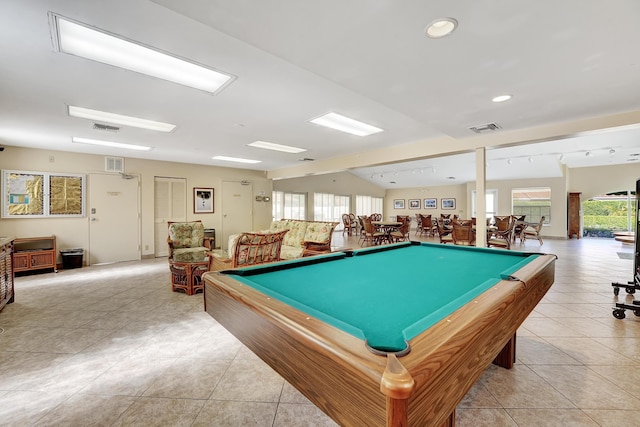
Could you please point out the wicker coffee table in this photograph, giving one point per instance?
(187, 275)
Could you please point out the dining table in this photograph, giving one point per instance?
(387, 227)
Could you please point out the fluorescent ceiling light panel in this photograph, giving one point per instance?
(276, 147)
(235, 159)
(118, 119)
(80, 40)
(501, 98)
(109, 144)
(345, 124)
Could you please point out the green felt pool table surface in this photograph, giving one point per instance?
(386, 295)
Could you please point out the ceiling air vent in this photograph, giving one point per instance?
(306, 159)
(106, 128)
(485, 128)
(114, 164)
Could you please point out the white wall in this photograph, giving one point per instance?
(458, 192)
(603, 179)
(74, 232)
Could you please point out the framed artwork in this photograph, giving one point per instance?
(414, 203)
(430, 203)
(448, 203)
(398, 204)
(202, 200)
(42, 194)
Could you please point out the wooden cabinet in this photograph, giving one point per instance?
(573, 215)
(34, 253)
(6, 271)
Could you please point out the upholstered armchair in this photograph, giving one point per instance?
(186, 241)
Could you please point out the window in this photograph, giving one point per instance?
(605, 214)
(330, 207)
(490, 203)
(532, 202)
(366, 205)
(289, 205)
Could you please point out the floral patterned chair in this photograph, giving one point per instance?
(186, 241)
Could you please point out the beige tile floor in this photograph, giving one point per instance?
(111, 345)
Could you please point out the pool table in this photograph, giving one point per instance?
(391, 335)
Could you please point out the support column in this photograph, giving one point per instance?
(481, 200)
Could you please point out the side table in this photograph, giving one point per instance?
(187, 275)
(220, 260)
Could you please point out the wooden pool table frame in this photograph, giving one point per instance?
(336, 372)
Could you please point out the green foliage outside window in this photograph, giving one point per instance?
(601, 218)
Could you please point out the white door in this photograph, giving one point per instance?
(236, 209)
(114, 218)
(170, 204)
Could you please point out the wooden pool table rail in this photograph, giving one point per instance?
(337, 373)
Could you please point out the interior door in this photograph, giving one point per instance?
(114, 218)
(237, 215)
(170, 204)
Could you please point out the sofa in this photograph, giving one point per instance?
(305, 238)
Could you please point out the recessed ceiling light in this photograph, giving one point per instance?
(441, 27)
(104, 116)
(501, 98)
(345, 124)
(80, 40)
(235, 159)
(109, 144)
(276, 147)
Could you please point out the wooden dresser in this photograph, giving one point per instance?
(573, 215)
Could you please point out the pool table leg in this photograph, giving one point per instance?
(397, 384)
(507, 356)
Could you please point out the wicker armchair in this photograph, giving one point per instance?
(187, 242)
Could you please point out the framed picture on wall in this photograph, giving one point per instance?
(414, 203)
(448, 203)
(430, 203)
(398, 204)
(202, 200)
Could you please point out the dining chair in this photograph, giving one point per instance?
(371, 234)
(376, 217)
(418, 224)
(443, 234)
(532, 230)
(463, 234)
(519, 226)
(427, 225)
(361, 224)
(348, 224)
(502, 236)
(402, 233)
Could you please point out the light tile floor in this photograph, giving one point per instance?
(111, 345)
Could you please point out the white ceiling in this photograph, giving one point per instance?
(295, 60)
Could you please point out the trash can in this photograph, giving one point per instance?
(71, 258)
